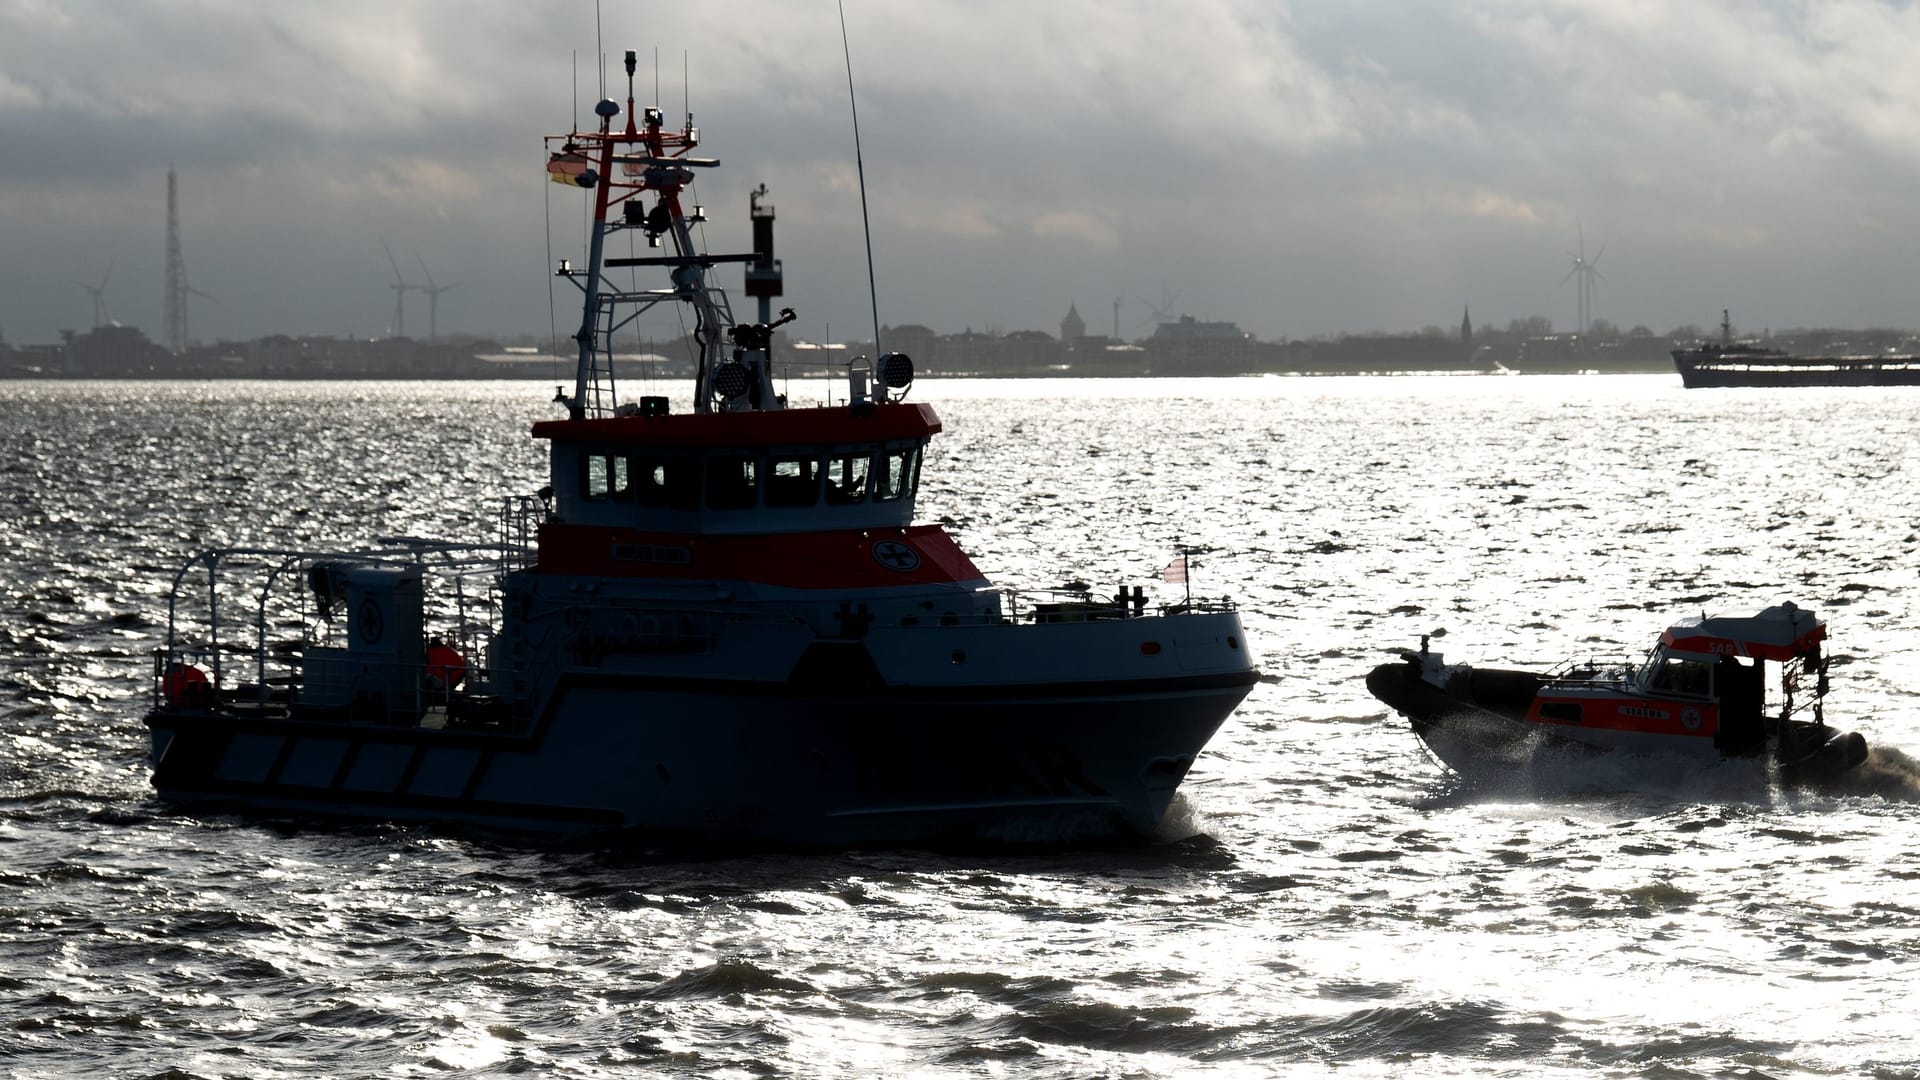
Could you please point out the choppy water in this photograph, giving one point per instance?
(1326, 901)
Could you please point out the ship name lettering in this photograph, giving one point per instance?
(651, 553)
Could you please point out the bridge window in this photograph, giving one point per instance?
(606, 476)
(896, 475)
(847, 478)
(793, 481)
(619, 479)
(730, 482)
(669, 482)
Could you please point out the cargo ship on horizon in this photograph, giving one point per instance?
(1741, 363)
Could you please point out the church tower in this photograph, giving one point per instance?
(1073, 327)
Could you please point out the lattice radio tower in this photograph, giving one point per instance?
(177, 287)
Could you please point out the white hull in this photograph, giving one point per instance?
(1490, 750)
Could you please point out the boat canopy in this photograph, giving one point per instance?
(1780, 633)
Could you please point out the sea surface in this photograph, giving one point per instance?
(1325, 900)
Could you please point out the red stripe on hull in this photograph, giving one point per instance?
(1646, 716)
(787, 427)
(846, 559)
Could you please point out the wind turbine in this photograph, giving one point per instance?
(99, 294)
(433, 298)
(1167, 310)
(400, 286)
(1584, 273)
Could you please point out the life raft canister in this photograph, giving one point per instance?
(446, 668)
(186, 687)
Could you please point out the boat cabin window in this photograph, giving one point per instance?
(730, 482)
(667, 481)
(1678, 675)
(793, 481)
(896, 475)
(606, 476)
(654, 487)
(847, 479)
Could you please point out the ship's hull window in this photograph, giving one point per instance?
(793, 481)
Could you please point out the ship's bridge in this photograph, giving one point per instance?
(796, 470)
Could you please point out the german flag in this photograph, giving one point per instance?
(572, 169)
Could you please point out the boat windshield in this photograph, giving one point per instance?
(1676, 674)
(744, 480)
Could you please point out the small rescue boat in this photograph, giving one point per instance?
(1701, 694)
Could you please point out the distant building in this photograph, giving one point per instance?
(114, 350)
(1030, 350)
(1360, 353)
(913, 339)
(1073, 327)
(1192, 347)
(1572, 352)
(813, 357)
(1105, 356)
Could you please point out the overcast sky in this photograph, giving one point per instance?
(1301, 169)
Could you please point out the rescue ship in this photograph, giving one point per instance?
(1701, 694)
(721, 621)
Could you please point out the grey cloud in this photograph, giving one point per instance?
(1302, 169)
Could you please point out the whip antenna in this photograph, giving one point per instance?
(860, 166)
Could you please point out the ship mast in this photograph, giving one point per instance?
(765, 280)
(596, 250)
(619, 166)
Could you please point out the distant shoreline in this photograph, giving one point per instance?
(564, 373)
